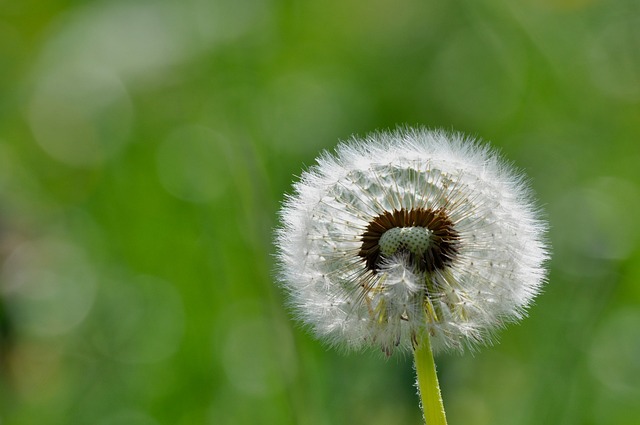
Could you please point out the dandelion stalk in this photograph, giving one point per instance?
(428, 386)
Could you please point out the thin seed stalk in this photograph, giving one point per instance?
(428, 386)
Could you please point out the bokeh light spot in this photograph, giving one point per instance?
(615, 355)
(614, 53)
(258, 356)
(606, 227)
(224, 20)
(478, 76)
(80, 116)
(302, 112)
(194, 164)
(140, 320)
(49, 286)
(136, 40)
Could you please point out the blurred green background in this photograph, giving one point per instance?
(145, 146)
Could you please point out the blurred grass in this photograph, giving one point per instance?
(145, 147)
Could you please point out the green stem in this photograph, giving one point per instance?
(428, 386)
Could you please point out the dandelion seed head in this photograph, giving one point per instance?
(410, 231)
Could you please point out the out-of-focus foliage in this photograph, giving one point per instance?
(145, 146)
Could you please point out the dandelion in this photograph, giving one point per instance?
(411, 240)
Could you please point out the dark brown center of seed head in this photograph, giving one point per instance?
(443, 244)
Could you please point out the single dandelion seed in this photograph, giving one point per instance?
(411, 240)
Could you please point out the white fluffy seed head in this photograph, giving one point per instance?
(410, 231)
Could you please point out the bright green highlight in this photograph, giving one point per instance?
(432, 406)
